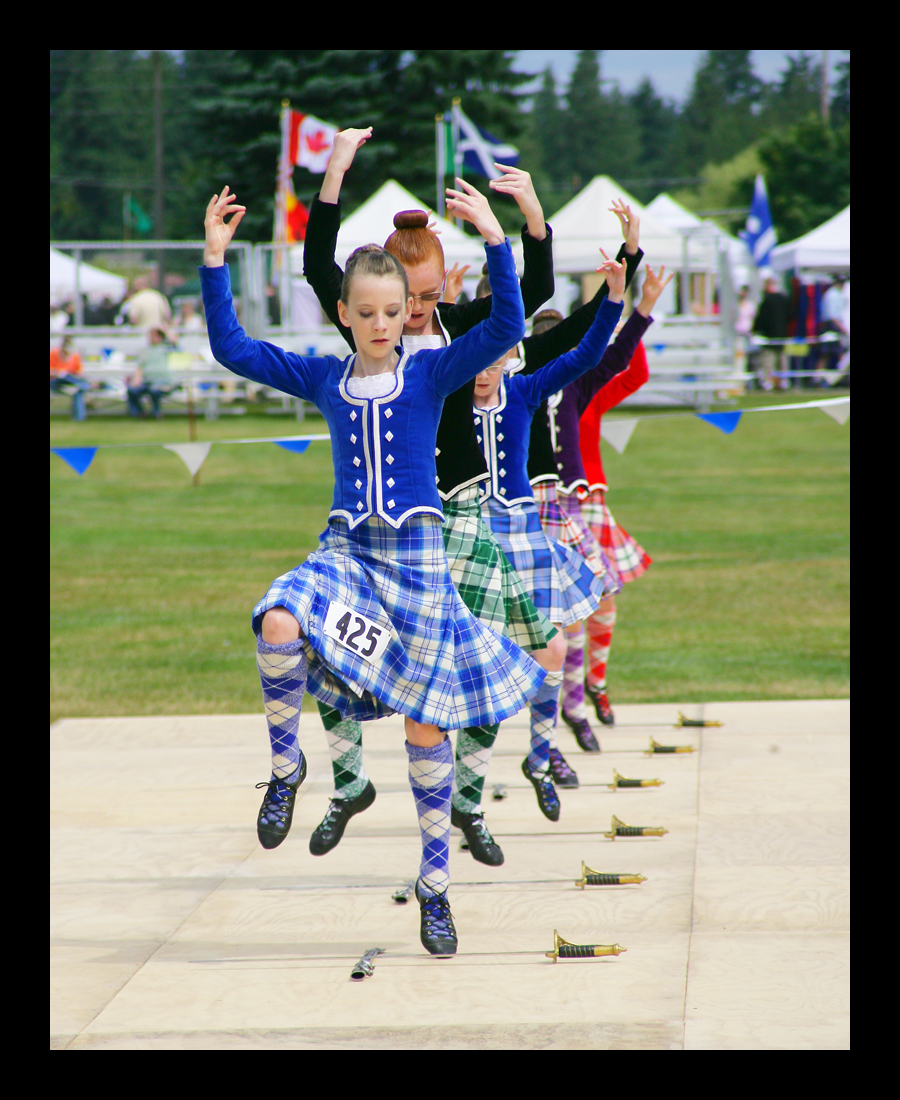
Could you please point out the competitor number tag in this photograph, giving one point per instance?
(355, 632)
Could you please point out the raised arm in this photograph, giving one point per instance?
(503, 327)
(230, 345)
(319, 267)
(569, 366)
(620, 352)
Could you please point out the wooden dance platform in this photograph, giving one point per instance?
(171, 928)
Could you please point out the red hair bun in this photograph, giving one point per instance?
(411, 219)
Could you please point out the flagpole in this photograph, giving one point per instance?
(457, 154)
(279, 234)
(441, 152)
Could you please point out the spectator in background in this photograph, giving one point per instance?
(65, 376)
(146, 308)
(60, 316)
(189, 320)
(771, 322)
(746, 313)
(836, 320)
(152, 377)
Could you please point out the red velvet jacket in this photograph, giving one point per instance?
(615, 390)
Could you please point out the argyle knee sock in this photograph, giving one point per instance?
(473, 754)
(431, 779)
(600, 631)
(573, 678)
(544, 708)
(345, 747)
(282, 670)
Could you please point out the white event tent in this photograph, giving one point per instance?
(825, 248)
(585, 223)
(373, 223)
(92, 281)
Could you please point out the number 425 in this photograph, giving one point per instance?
(343, 625)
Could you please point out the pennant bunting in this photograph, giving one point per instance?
(618, 432)
(193, 455)
(79, 458)
(840, 411)
(725, 421)
(298, 446)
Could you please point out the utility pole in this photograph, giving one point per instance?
(823, 88)
(159, 197)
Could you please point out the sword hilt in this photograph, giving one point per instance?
(366, 965)
(402, 896)
(562, 949)
(619, 828)
(500, 792)
(596, 878)
(621, 781)
(701, 723)
(655, 747)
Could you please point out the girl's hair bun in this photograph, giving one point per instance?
(411, 219)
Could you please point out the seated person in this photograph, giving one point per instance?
(152, 377)
(65, 376)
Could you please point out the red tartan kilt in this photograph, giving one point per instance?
(628, 556)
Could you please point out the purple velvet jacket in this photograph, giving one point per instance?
(566, 407)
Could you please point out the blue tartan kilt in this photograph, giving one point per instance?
(441, 665)
(559, 580)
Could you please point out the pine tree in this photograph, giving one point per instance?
(793, 96)
(718, 118)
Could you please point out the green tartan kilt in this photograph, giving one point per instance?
(487, 583)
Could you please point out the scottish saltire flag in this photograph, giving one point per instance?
(759, 236)
(479, 149)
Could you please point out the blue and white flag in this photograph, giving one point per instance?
(759, 236)
(479, 149)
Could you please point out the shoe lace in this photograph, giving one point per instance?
(436, 911)
(478, 823)
(560, 763)
(332, 813)
(276, 802)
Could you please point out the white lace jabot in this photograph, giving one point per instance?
(371, 385)
(412, 344)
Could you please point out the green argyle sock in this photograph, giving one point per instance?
(345, 747)
(473, 754)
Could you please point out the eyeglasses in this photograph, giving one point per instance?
(434, 296)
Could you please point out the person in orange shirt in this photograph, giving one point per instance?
(65, 376)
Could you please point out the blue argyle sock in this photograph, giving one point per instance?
(544, 709)
(282, 670)
(431, 779)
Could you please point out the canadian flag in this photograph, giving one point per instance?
(310, 142)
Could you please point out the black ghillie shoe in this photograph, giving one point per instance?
(329, 832)
(601, 705)
(481, 843)
(436, 930)
(563, 775)
(274, 821)
(584, 735)
(548, 799)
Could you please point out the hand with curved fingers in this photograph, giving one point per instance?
(219, 232)
(470, 205)
(346, 144)
(631, 225)
(653, 287)
(454, 282)
(517, 182)
(615, 277)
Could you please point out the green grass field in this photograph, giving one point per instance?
(153, 580)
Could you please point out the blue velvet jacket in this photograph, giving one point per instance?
(503, 430)
(383, 448)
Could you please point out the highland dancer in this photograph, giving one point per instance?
(561, 583)
(484, 578)
(371, 624)
(573, 485)
(629, 559)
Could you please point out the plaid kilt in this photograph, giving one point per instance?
(486, 582)
(566, 525)
(630, 559)
(441, 665)
(559, 581)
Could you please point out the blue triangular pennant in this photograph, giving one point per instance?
(298, 446)
(726, 422)
(79, 458)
